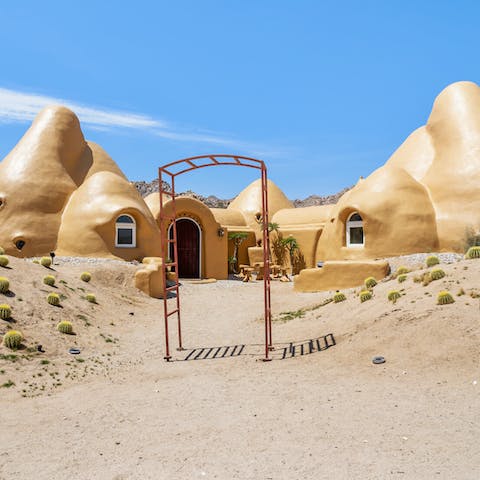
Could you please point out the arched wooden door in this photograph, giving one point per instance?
(188, 248)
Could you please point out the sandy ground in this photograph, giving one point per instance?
(121, 412)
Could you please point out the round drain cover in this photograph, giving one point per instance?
(378, 360)
(74, 351)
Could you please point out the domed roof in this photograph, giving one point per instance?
(250, 199)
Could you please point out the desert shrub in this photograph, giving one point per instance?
(444, 298)
(339, 297)
(370, 282)
(4, 285)
(432, 260)
(5, 311)
(13, 339)
(437, 274)
(86, 277)
(91, 298)
(365, 295)
(65, 327)
(402, 270)
(49, 280)
(46, 261)
(53, 299)
(473, 252)
(401, 278)
(393, 295)
(36, 260)
(3, 261)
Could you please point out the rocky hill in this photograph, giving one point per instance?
(146, 188)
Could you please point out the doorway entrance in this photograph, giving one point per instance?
(188, 247)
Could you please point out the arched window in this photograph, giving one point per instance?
(355, 236)
(125, 232)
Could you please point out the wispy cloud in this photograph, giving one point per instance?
(16, 106)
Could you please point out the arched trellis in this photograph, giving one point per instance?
(180, 167)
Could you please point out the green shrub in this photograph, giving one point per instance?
(365, 295)
(402, 270)
(4, 285)
(13, 339)
(86, 277)
(401, 278)
(36, 260)
(46, 261)
(53, 299)
(91, 298)
(339, 297)
(65, 327)
(3, 261)
(444, 298)
(370, 282)
(49, 280)
(473, 252)
(393, 296)
(432, 260)
(437, 274)
(5, 311)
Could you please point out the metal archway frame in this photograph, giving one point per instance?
(180, 167)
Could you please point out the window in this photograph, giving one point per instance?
(355, 236)
(125, 232)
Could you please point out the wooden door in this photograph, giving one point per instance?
(188, 248)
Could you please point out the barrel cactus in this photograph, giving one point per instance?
(370, 282)
(393, 296)
(49, 280)
(13, 339)
(53, 299)
(401, 278)
(2, 251)
(85, 277)
(5, 311)
(437, 274)
(91, 298)
(46, 261)
(445, 298)
(402, 270)
(3, 261)
(432, 260)
(339, 297)
(473, 252)
(65, 327)
(4, 285)
(365, 295)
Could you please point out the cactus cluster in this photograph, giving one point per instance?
(432, 260)
(91, 298)
(473, 252)
(49, 280)
(65, 327)
(53, 299)
(13, 339)
(46, 261)
(3, 261)
(339, 297)
(85, 277)
(402, 277)
(445, 298)
(365, 295)
(4, 285)
(437, 274)
(402, 270)
(5, 311)
(370, 282)
(393, 296)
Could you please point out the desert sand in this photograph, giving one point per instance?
(119, 411)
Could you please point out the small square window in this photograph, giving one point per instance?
(124, 236)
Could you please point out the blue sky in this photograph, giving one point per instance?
(323, 91)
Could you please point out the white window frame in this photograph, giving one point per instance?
(126, 226)
(200, 238)
(354, 224)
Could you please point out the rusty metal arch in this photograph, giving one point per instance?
(180, 167)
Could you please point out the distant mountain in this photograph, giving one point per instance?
(146, 188)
